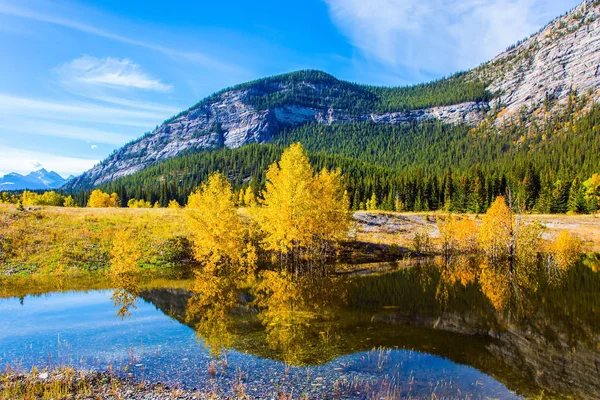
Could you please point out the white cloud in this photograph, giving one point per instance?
(22, 161)
(439, 36)
(111, 72)
(94, 146)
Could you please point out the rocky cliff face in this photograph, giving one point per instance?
(545, 68)
(231, 122)
(563, 57)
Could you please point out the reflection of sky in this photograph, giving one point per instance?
(82, 330)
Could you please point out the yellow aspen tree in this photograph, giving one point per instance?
(372, 203)
(174, 204)
(114, 200)
(69, 202)
(496, 233)
(302, 214)
(566, 250)
(99, 199)
(287, 206)
(220, 237)
(249, 199)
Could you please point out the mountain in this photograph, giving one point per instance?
(528, 84)
(37, 180)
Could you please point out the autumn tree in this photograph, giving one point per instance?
(502, 236)
(566, 250)
(174, 204)
(133, 203)
(372, 203)
(70, 202)
(303, 214)
(592, 193)
(99, 199)
(496, 233)
(220, 236)
(456, 234)
(221, 242)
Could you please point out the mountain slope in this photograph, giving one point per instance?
(256, 111)
(562, 57)
(534, 76)
(37, 180)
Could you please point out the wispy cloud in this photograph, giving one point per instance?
(94, 146)
(23, 161)
(439, 36)
(188, 56)
(67, 131)
(35, 163)
(75, 111)
(110, 72)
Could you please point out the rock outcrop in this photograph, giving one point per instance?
(563, 57)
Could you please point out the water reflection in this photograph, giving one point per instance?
(534, 326)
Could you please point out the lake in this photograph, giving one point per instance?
(431, 329)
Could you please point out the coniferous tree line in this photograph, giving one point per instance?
(546, 166)
(318, 89)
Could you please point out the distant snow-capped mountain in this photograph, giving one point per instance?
(37, 180)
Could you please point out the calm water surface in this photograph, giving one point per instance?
(442, 330)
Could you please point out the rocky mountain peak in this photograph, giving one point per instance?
(541, 71)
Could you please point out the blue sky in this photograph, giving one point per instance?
(80, 79)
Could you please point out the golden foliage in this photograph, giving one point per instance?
(496, 233)
(133, 203)
(528, 241)
(566, 250)
(124, 270)
(249, 198)
(99, 199)
(174, 204)
(456, 234)
(219, 235)
(303, 213)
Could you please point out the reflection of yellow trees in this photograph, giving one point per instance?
(291, 307)
(302, 214)
(209, 310)
(124, 272)
(453, 271)
(495, 285)
(457, 270)
(503, 281)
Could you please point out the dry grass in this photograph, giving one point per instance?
(391, 228)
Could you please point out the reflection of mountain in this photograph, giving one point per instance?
(543, 339)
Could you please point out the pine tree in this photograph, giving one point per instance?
(576, 203)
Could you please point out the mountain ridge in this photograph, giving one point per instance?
(539, 74)
(36, 180)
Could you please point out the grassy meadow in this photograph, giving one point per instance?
(60, 240)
